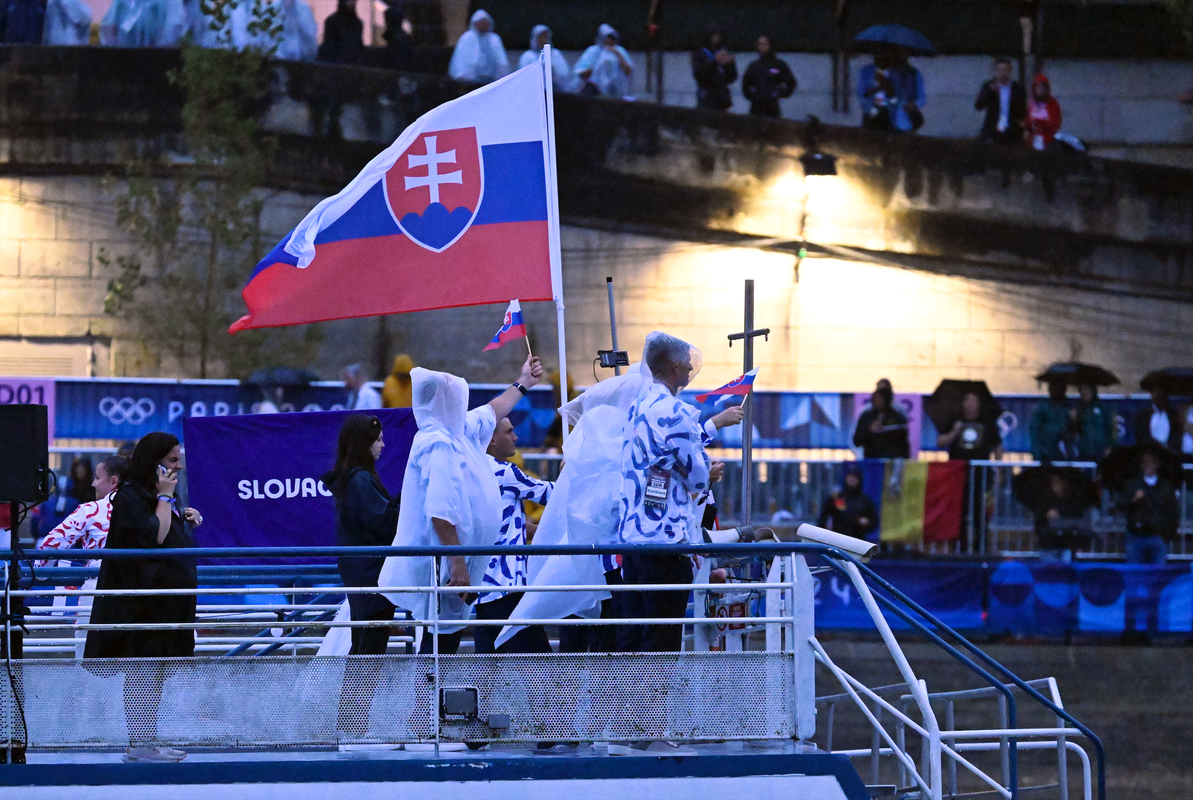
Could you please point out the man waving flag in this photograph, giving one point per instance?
(740, 385)
(512, 328)
(459, 211)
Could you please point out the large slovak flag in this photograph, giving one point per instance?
(453, 213)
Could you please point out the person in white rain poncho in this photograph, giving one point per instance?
(68, 22)
(298, 39)
(605, 67)
(450, 496)
(561, 73)
(143, 23)
(479, 55)
(233, 32)
(584, 509)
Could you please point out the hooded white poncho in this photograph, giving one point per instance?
(479, 57)
(583, 508)
(68, 22)
(143, 23)
(447, 477)
(561, 73)
(605, 65)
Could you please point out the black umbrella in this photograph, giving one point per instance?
(1173, 380)
(1122, 464)
(893, 36)
(282, 376)
(1074, 373)
(1033, 483)
(944, 406)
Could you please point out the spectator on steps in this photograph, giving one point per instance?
(891, 92)
(605, 67)
(479, 56)
(399, 46)
(342, 32)
(143, 23)
(849, 510)
(1159, 422)
(561, 73)
(715, 70)
(396, 391)
(767, 81)
(361, 396)
(1043, 114)
(1153, 513)
(68, 22)
(881, 429)
(1095, 425)
(1005, 104)
(1050, 427)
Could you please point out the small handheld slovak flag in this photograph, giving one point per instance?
(740, 385)
(511, 328)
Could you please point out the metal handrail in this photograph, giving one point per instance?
(989, 661)
(837, 559)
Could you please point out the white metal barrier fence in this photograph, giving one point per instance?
(693, 696)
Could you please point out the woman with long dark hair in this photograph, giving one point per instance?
(366, 516)
(146, 515)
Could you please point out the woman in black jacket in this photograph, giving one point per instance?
(366, 516)
(146, 515)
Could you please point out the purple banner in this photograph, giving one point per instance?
(255, 478)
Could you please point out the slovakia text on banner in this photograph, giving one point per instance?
(453, 213)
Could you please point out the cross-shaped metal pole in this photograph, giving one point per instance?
(747, 336)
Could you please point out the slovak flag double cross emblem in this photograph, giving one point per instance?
(434, 189)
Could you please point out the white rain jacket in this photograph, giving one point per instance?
(448, 477)
(583, 508)
(605, 65)
(68, 22)
(479, 57)
(143, 23)
(561, 73)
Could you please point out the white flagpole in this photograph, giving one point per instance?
(556, 255)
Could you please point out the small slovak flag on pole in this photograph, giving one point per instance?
(512, 328)
(740, 385)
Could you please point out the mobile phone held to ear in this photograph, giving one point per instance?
(162, 471)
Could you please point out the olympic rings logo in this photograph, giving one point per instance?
(126, 409)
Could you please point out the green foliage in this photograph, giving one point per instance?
(197, 220)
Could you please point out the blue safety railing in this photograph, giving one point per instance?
(888, 596)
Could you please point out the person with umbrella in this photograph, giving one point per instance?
(1095, 425)
(974, 435)
(890, 91)
(1159, 422)
(1049, 429)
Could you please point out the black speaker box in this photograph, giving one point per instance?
(24, 452)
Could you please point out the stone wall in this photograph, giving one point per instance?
(841, 325)
(836, 328)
